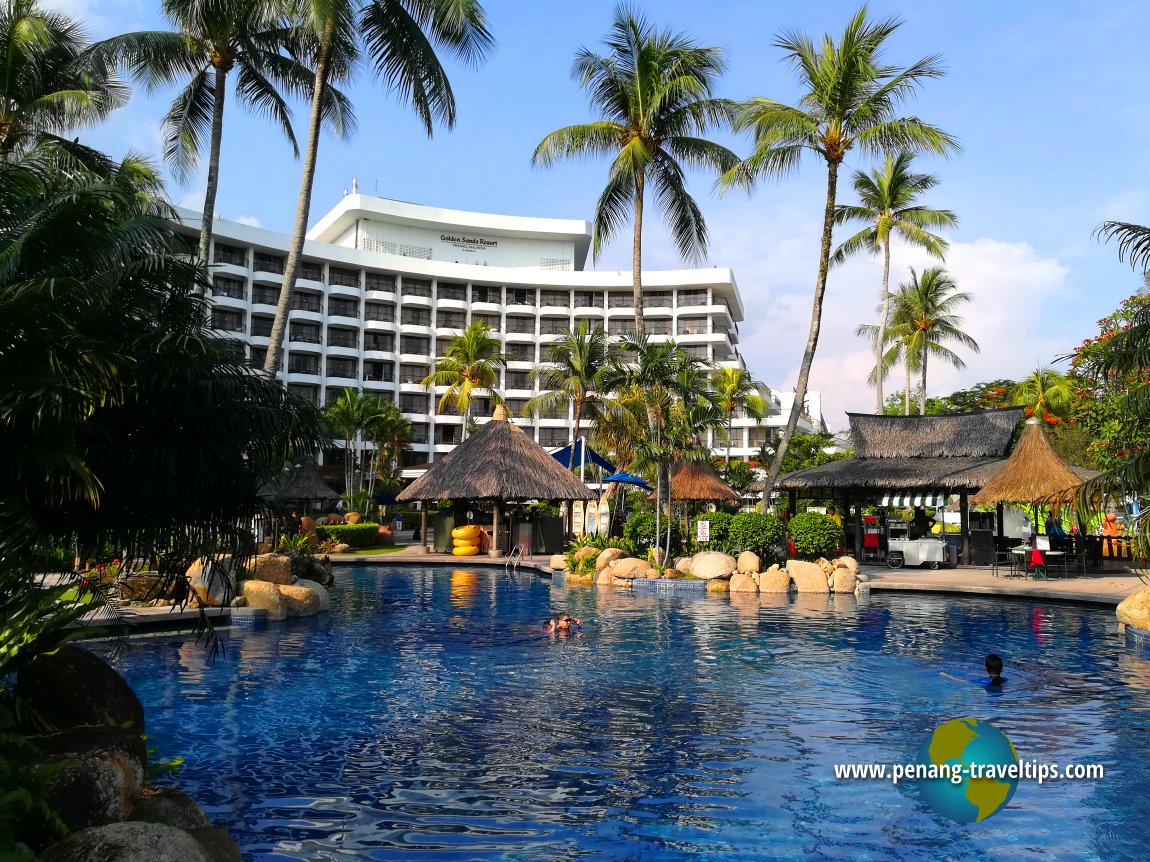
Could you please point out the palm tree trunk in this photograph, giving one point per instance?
(881, 343)
(303, 207)
(727, 468)
(670, 513)
(208, 216)
(922, 395)
(575, 433)
(906, 393)
(637, 256)
(658, 502)
(812, 335)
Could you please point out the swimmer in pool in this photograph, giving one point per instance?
(994, 677)
(564, 623)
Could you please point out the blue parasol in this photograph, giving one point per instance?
(629, 479)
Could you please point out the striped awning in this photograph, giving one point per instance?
(911, 499)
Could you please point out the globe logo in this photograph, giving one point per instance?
(970, 767)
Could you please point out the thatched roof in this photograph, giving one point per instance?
(497, 462)
(983, 434)
(302, 483)
(1034, 473)
(895, 474)
(697, 480)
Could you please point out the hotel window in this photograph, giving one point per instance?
(378, 341)
(301, 301)
(658, 299)
(492, 320)
(416, 287)
(415, 316)
(554, 326)
(692, 297)
(482, 406)
(227, 320)
(448, 435)
(415, 345)
(559, 411)
(692, 326)
(442, 345)
(303, 363)
(699, 351)
(380, 372)
(342, 307)
(522, 325)
(449, 290)
(451, 319)
(309, 334)
(657, 327)
(262, 295)
(268, 262)
(419, 431)
(411, 402)
(558, 298)
(412, 373)
(486, 293)
(341, 367)
(343, 277)
(517, 407)
(231, 254)
(379, 311)
(261, 327)
(229, 287)
(587, 299)
(518, 380)
(620, 300)
(521, 352)
(553, 436)
(311, 269)
(307, 393)
(258, 357)
(379, 281)
(342, 338)
(521, 296)
(619, 327)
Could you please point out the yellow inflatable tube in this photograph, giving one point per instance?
(467, 550)
(468, 532)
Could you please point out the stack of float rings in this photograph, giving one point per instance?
(466, 540)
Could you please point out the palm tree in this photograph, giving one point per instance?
(653, 90)
(887, 197)
(470, 366)
(49, 82)
(577, 365)
(400, 38)
(211, 41)
(736, 390)
(389, 432)
(356, 416)
(850, 100)
(1045, 393)
(923, 320)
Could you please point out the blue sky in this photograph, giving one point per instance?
(1047, 99)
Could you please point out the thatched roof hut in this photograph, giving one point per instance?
(697, 480)
(497, 462)
(1034, 473)
(301, 483)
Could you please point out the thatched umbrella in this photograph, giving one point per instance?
(301, 484)
(1034, 473)
(698, 481)
(497, 462)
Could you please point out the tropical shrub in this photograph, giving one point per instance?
(815, 535)
(720, 532)
(639, 533)
(356, 535)
(300, 543)
(765, 535)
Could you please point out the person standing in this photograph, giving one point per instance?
(293, 525)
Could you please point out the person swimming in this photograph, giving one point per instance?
(564, 623)
(994, 677)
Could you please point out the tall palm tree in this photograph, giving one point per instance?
(850, 100)
(576, 367)
(653, 90)
(389, 432)
(356, 415)
(923, 319)
(736, 390)
(470, 367)
(210, 42)
(49, 82)
(1045, 393)
(400, 38)
(888, 205)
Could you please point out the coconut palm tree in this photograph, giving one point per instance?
(923, 319)
(653, 91)
(357, 416)
(888, 205)
(1045, 393)
(49, 82)
(389, 432)
(850, 101)
(210, 42)
(736, 390)
(576, 367)
(400, 38)
(470, 367)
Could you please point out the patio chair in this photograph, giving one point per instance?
(1003, 558)
(870, 547)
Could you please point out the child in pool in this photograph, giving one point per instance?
(994, 677)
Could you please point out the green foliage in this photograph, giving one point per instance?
(595, 540)
(543, 510)
(765, 535)
(815, 535)
(159, 767)
(740, 475)
(639, 532)
(720, 532)
(24, 778)
(806, 450)
(300, 543)
(982, 396)
(356, 535)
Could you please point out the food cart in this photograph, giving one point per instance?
(915, 552)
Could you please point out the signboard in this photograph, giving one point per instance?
(702, 531)
(577, 518)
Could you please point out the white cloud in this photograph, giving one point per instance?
(251, 221)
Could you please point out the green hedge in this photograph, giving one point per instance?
(356, 535)
(815, 535)
(639, 531)
(765, 535)
(720, 532)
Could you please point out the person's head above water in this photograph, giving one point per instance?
(994, 666)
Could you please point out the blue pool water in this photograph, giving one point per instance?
(425, 719)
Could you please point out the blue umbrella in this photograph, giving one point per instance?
(629, 479)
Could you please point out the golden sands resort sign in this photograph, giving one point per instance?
(468, 243)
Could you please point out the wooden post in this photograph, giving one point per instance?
(858, 531)
(423, 528)
(792, 501)
(493, 551)
(848, 539)
(964, 525)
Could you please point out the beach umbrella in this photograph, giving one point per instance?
(625, 478)
(698, 481)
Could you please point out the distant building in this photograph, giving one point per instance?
(385, 286)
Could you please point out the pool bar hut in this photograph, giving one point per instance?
(497, 463)
(915, 461)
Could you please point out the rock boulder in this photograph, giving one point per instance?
(844, 580)
(584, 553)
(1135, 610)
(266, 595)
(808, 577)
(710, 565)
(107, 769)
(273, 568)
(849, 563)
(144, 587)
(127, 842)
(299, 601)
(171, 808)
(748, 563)
(718, 585)
(743, 583)
(73, 687)
(557, 563)
(682, 565)
(352, 518)
(319, 589)
(607, 557)
(213, 580)
(629, 567)
(775, 581)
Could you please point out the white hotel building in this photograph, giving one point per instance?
(385, 286)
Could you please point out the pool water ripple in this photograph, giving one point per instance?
(428, 717)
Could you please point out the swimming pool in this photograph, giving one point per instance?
(425, 718)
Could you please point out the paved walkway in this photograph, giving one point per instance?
(1103, 588)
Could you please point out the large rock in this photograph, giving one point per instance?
(557, 563)
(386, 536)
(774, 581)
(808, 577)
(218, 844)
(682, 565)
(128, 842)
(145, 587)
(1135, 610)
(748, 563)
(311, 567)
(849, 563)
(710, 565)
(299, 601)
(743, 583)
(273, 569)
(584, 553)
(319, 589)
(718, 585)
(73, 687)
(106, 772)
(170, 807)
(266, 595)
(213, 580)
(607, 557)
(844, 580)
(629, 567)
(352, 517)
(826, 565)
(334, 519)
(603, 578)
(307, 525)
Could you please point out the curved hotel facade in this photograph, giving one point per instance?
(385, 286)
